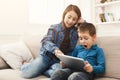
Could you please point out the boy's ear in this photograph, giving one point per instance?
(94, 36)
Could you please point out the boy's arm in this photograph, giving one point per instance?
(100, 67)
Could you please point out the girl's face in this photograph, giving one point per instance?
(70, 19)
(86, 40)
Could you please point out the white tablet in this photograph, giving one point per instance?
(72, 62)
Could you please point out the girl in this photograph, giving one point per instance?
(60, 39)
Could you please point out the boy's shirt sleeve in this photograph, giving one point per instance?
(48, 41)
(100, 67)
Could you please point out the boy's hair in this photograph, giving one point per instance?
(70, 8)
(83, 27)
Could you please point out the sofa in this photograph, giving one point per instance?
(8, 70)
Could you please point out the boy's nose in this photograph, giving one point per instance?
(82, 41)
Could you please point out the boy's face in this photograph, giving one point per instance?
(86, 40)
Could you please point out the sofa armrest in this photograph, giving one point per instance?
(3, 64)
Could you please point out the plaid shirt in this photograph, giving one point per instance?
(54, 37)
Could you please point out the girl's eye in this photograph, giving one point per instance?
(74, 19)
(69, 17)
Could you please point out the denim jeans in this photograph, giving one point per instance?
(68, 74)
(43, 64)
(52, 68)
(61, 74)
(80, 76)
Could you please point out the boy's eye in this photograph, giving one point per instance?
(86, 38)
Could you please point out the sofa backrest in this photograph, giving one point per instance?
(111, 47)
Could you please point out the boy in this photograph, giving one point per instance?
(89, 51)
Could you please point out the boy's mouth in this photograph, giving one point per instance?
(85, 46)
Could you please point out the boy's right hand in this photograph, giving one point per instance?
(58, 53)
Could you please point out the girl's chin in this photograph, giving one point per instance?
(68, 26)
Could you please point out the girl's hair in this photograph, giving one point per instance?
(83, 27)
(70, 8)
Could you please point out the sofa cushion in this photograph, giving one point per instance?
(33, 43)
(111, 47)
(106, 79)
(15, 54)
(16, 75)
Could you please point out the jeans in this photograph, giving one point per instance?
(52, 68)
(68, 74)
(80, 76)
(43, 64)
(61, 74)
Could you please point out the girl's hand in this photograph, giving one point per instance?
(58, 53)
(88, 67)
(62, 64)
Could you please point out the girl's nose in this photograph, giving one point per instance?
(71, 20)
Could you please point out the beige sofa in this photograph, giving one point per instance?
(111, 46)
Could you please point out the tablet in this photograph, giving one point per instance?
(72, 62)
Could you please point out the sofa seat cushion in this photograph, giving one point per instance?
(15, 54)
(16, 75)
(106, 79)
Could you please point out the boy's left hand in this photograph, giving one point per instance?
(88, 67)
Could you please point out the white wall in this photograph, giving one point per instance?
(108, 30)
(14, 21)
(85, 7)
(13, 16)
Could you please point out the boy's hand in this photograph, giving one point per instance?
(58, 53)
(88, 67)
